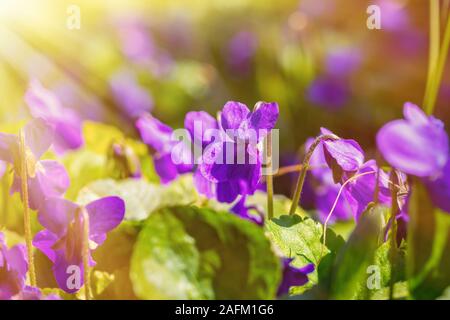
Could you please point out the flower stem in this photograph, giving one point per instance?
(5, 195)
(439, 71)
(341, 189)
(304, 170)
(393, 236)
(433, 50)
(26, 209)
(269, 179)
(87, 280)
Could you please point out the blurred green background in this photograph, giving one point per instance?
(317, 59)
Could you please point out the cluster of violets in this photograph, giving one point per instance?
(344, 181)
(214, 177)
(62, 238)
(225, 182)
(416, 146)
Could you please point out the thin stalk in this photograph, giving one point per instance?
(304, 169)
(269, 179)
(439, 69)
(445, 10)
(26, 209)
(341, 189)
(87, 280)
(433, 56)
(393, 235)
(5, 206)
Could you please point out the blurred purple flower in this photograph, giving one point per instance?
(136, 42)
(417, 145)
(13, 269)
(329, 93)
(133, 99)
(439, 188)
(62, 239)
(316, 8)
(293, 276)
(159, 137)
(73, 96)
(66, 123)
(342, 62)
(46, 178)
(31, 293)
(394, 16)
(240, 51)
(139, 46)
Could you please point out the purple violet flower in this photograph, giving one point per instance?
(13, 269)
(361, 191)
(325, 196)
(31, 293)
(138, 45)
(46, 178)
(395, 16)
(343, 156)
(62, 239)
(129, 95)
(237, 118)
(232, 166)
(240, 51)
(419, 146)
(66, 123)
(416, 145)
(343, 61)
(159, 137)
(439, 188)
(329, 93)
(199, 124)
(324, 188)
(293, 276)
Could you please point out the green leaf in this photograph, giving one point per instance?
(301, 239)
(141, 197)
(83, 167)
(193, 253)
(391, 270)
(391, 266)
(400, 292)
(428, 259)
(350, 270)
(445, 295)
(113, 257)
